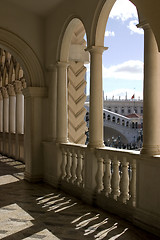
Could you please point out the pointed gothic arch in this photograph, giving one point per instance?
(26, 57)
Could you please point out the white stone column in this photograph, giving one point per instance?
(151, 98)
(96, 97)
(19, 107)
(12, 108)
(33, 137)
(1, 122)
(5, 110)
(1, 112)
(52, 98)
(62, 111)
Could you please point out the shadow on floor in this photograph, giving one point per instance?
(38, 211)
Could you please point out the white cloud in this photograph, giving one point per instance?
(123, 10)
(129, 70)
(132, 26)
(122, 94)
(109, 34)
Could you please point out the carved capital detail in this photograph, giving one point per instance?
(4, 92)
(11, 91)
(24, 84)
(18, 87)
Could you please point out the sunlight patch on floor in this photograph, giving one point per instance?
(13, 219)
(6, 179)
(44, 234)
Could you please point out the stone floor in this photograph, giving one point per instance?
(38, 211)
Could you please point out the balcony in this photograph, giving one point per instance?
(38, 211)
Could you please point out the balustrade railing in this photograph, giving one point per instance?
(73, 164)
(116, 175)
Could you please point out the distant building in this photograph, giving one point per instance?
(124, 107)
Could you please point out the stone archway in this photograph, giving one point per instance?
(25, 56)
(73, 52)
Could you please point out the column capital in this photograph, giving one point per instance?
(144, 24)
(10, 89)
(1, 97)
(96, 49)
(24, 84)
(4, 92)
(18, 87)
(51, 68)
(62, 64)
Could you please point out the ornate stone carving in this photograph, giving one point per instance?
(18, 87)
(4, 92)
(11, 91)
(1, 97)
(24, 84)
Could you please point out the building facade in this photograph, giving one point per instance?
(124, 107)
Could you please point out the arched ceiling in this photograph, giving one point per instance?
(39, 7)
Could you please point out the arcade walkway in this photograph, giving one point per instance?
(37, 211)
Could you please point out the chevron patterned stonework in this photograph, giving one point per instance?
(76, 92)
(76, 100)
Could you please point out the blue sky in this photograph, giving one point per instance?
(123, 61)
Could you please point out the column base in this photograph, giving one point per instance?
(32, 178)
(63, 140)
(151, 150)
(95, 145)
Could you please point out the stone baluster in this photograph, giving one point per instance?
(107, 176)
(64, 162)
(100, 173)
(74, 166)
(132, 185)
(79, 168)
(115, 179)
(68, 165)
(124, 182)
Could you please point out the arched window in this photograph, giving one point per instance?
(113, 119)
(118, 120)
(123, 122)
(104, 116)
(127, 124)
(108, 117)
